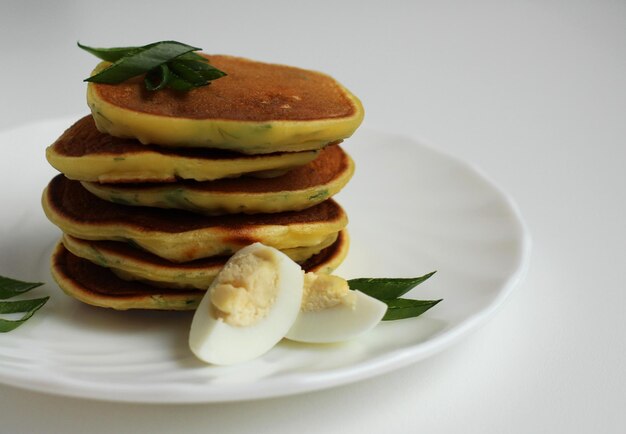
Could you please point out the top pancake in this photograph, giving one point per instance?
(252, 91)
(257, 108)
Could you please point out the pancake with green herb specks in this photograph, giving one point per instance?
(257, 108)
(84, 153)
(99, 286)
(298, 189)
(179, 235)
(130, 263)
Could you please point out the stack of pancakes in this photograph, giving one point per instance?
(158, 189)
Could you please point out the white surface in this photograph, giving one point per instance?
(468, 230)
(534, 93)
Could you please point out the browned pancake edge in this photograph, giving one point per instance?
(99, 286)
(83, 139)
(71, 201)
(331, 164)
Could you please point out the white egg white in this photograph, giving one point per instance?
(215, 341)
(338, 323)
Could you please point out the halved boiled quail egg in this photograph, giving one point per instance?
(249, 307)
(331, 312)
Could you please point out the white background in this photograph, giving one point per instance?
(532, 92)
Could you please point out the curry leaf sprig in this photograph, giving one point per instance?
(389, 291)
(168, 64)
(10, 288)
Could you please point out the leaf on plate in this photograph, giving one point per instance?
(11, 287)
(403, 308)
(387, 289)
(29, 307)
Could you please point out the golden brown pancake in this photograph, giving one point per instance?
(99, 286)
(131, 263)
(179, 235)
(298, 189)
(257, 108)
(84, 153)
(252, 91)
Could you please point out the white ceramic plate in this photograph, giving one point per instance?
(412, 210)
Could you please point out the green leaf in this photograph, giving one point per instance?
(21, 305)
(11, 287)
(403, 308)
(201, 71)
(178, 83)
(192, 73)
(166, 64)
(186, 71)
(387, 289)
(194, 57)
(141, 61)
(110, 54)
(157, 78)
(29, 307)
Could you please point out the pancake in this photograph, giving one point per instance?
(130, 263)
(182, 236)
(84, 153)
(257, 108)
(298, 189)
(98, 286)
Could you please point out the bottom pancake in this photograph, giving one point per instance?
(99, 286)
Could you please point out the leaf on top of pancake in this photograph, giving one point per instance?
(166, 64)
